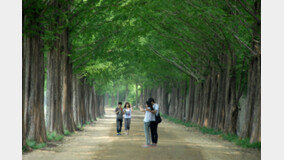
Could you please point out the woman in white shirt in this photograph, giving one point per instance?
(147, 123)
(127, 117)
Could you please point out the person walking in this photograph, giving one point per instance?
(119, 117)
(146, 123)
(127, 117)
(153, 123)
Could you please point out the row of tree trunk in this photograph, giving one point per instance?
(70, 101)
(214, 103)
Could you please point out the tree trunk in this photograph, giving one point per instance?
(165, 101)
(256, 65)
(112, 101)
(106, 99)
(255, 100)
(68, 116)
(141, 96)
(206, 99)
(97, 104)
(126, 93)
(94, 109)
(82, 112)
(136, 94)
(75, 99)
(33, 90)
(196, 103)
(25, 85)
(66, 67)
(191, 99)
(213, 99)
(117, 94)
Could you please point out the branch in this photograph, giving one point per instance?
(190, 73)
(246, 9)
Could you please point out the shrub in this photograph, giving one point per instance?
(34, 145)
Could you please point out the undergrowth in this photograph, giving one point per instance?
(245, 143)
(53, 136)
(32, 144)
(68, 133)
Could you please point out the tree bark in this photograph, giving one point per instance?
(256, 101)
(126, 93)
(136, 94)
(213, 99)
(112, 101)
(117, 94)
(106, 99)
(33, 89)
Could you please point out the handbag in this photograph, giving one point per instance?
(158, 118)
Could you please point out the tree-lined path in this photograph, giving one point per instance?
(200, 61)
(99, 142)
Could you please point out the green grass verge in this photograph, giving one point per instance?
(245, 143)
(53, 136)
(187, 124)
(68, 133)
(32, 144)
(206, 130)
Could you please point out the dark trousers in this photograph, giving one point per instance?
(118, 125)
(154, 131)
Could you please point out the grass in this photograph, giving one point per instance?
(211, 131)
(67, 133)
(32, 144)
(53, 136)
(81, 127)
(177, 121)
(245, 143)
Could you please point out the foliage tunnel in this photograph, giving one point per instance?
(199, 59)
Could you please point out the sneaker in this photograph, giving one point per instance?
(154, 145)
